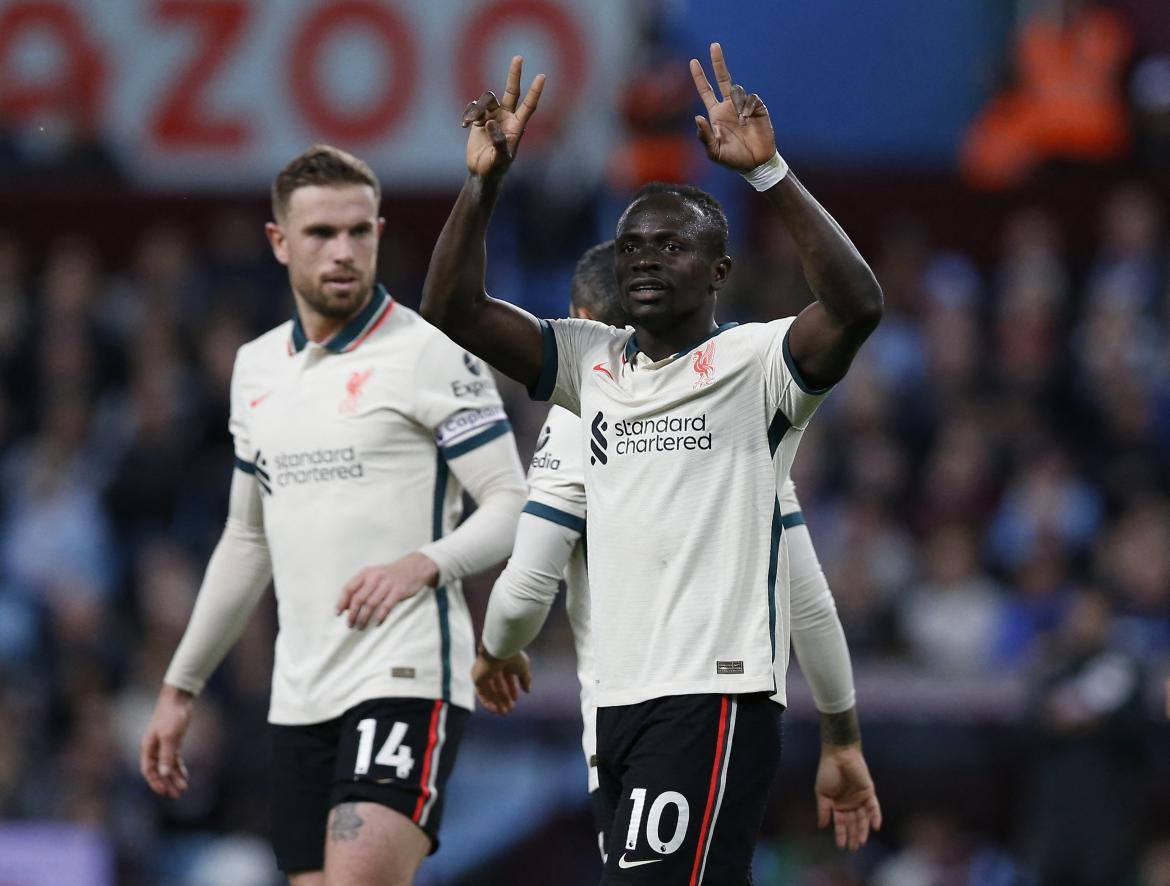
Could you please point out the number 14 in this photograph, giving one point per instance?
(394, 752)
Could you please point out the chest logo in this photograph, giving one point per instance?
(705, 365)
(258, 400)
(601, 367)
(353, 391)
(599, 444)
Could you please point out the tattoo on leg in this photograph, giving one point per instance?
(345, 824)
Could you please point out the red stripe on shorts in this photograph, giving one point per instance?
(432, 738)
(703, 835)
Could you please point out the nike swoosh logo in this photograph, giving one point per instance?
(601, 367)
(622, 863)
(259, 400)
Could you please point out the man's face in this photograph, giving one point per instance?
(666, 269)
(329, 241)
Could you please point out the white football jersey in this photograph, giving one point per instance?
(349, 443)
(556, 492)
(684, 461)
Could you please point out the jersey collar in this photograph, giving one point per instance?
(356, 331)
(632, 345)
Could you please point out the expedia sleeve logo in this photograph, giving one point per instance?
(599, 444)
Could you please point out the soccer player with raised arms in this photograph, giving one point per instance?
(550, 544)
(690, 429)
(357, 427)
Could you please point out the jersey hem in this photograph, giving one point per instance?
(621, 698)
(292, 715)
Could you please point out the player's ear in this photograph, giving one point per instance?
(720, 271)
(277, 241)
(381, 226)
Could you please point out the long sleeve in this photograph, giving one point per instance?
(525, 591)
(237, 575)
(492, 475)
(817, 636)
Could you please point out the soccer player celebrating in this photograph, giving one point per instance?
(690, 429)
(357, 427)
(550, 544)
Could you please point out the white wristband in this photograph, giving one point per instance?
(767, 173)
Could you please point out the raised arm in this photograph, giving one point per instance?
(738, 134)
(454, 298)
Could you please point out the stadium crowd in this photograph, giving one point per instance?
(988, 491)
(1000, 451)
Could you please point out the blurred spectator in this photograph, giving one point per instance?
(1134, 558)
(1045, 501)
(1066, 98)
(938, 853)
(1150, 96)
(953, 619)
(1079, 802)
(1155, 865)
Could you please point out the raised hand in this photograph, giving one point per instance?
(497, 126)
(738, 133)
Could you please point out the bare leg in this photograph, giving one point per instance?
(371, 845)
(307, 878)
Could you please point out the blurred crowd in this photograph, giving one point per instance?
(989, 491)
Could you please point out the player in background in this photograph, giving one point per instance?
(357, 426)
(550, 545)
(690, 429)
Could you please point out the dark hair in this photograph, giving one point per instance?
(715, 220)
(595, 285)
(320, 165)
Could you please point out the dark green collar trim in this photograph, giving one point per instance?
(632, 344)
(352, 330)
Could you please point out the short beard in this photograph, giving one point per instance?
(321, 304)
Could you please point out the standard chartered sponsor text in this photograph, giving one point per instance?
(666, 434)
(317, 466)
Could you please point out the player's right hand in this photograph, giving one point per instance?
(498, 681)
(737, 131)
(159, 759)
(497, 126)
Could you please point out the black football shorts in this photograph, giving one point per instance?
(396, 752)
(683, 785)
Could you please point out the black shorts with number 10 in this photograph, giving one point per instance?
(396, 752)
(683, 782)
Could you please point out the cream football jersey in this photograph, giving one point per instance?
(556, 492)
(350, 443)
(684, 459)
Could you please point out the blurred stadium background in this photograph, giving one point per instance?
(989, 489)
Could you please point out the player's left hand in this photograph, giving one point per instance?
(846, 796)
(738, 133)
(498, 681)
(373, 592)
(498, 125)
